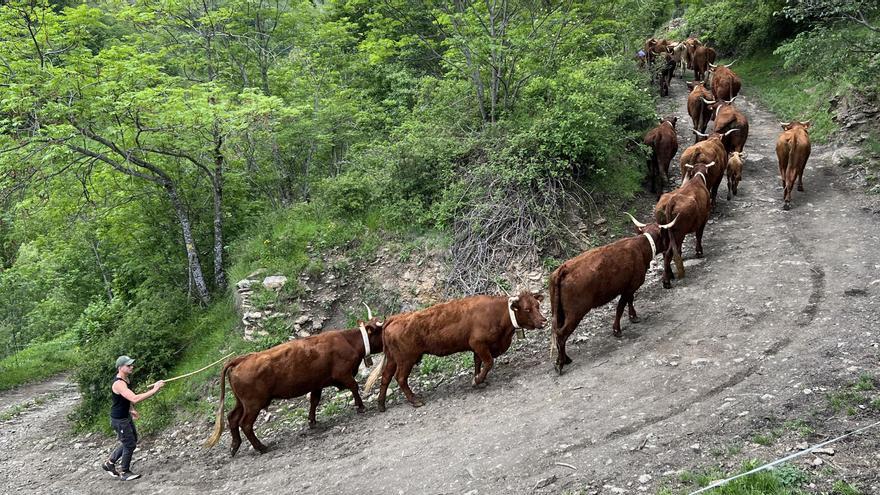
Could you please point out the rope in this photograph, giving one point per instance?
(198, 370)
(718, 483)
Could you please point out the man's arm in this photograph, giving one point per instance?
(121, 388)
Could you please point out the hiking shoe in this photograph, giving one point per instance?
(110, 468)
(128, 476)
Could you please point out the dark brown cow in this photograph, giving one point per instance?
(699, 105)
(725, 83)
(664, 145)
(290, 370)
(482, 324)
(703, 56)
(709, 150)
(734, 172)
(667, 69)
(596, 277)
(728, 117)
(689, 206)
(792, 151)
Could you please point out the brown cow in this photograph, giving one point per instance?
(290, 370)
(792, 151)
(724, 82)
(734, 172)
(664, 145)
(597, 276)
(482, 324)
(689, 206)
(703, 56)
(728, 117)
(709, 150)
(692, 45)
(699, 105)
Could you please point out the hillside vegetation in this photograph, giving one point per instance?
(152, 153)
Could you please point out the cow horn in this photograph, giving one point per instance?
(698, 133)
(785, 124)
(728, 65)
(638, 223)
(730, 131)
(730, 101)
(688, 165)
(670, 224)
(369, 312)
(707, 102)
(710, 164)
(712, 65)
(805, 123)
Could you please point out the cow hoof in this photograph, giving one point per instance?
(786, 206)
(728, 196)
(381, 407)
(417, 403)
(801, 188)
(558, 369)
(361, 410)
(263, 450)
(233, 451)
(567, 360)
(617, 333)
(635, 319)
(313, 425)
(698, 254)
(667, 284)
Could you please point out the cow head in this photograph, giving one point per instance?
(374, 327)
(670, 120)
(692, 170)
(526, 308)
(786, 126)
(658, 232)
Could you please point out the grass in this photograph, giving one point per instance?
(20, 408)
(784, 480)
(447, 364)
(38, 361)
(791, 96)
(855, 398)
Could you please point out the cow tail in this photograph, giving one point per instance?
(218, 426)
(374, 375)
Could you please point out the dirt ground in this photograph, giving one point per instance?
(780, 314)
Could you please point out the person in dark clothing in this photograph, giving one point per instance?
(122, 416)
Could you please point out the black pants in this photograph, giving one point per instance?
(128, 437)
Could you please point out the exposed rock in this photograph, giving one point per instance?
(274, 282)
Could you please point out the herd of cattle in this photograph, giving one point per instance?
(485, 325)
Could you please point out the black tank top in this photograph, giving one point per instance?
(121, 406)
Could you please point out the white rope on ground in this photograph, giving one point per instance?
(718, 483)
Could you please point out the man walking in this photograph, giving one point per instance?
(122, 416)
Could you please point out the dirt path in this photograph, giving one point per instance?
(780, 313)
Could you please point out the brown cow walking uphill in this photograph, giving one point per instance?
(792, 151)
(699, 106)
(664, 145)
(482, 324)
(689, 205)
(597, 276)
(725, 83)
(692, 45)
(290, 370)
(728, 117)
(703, 56)
(734, 172)
(707, 151)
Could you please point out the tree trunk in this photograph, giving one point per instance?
(217, 179)
(195, 267)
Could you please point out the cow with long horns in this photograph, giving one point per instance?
(483, 325)
(728, 117)
(699, 106)
(292, 369)
(709, 150)
(689, 205)
(596, 277)
(725, 83)
(792, 151)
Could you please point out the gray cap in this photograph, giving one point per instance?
(123, 360)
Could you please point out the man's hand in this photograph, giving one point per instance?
(134, 414)
(158, 385)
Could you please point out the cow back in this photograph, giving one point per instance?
(708, 151)
(689, 204)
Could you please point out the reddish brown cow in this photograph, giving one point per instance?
(482, 324)
(692, 45)
(734, 172)
(728, 117)
(707, 151)
(290, 370)
(792, 151)
(689, 206)
(664, 145)
(596, 277)
(703, 56)
(725, 83)
(699, 105)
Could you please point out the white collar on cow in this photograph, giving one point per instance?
(706, 182)
(653, 246)
(366, 340)
(510, 301)
(668, 122)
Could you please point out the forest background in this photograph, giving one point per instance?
(153, 153)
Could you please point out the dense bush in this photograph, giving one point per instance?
(737, 27)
